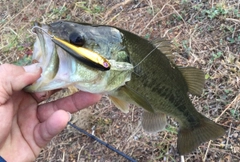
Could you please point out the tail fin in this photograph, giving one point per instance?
(189, 139)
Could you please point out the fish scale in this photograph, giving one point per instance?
(155, 82)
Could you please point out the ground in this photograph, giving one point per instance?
(204, 34)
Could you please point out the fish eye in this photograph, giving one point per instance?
(76, 39)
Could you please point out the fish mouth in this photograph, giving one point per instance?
(60, 69)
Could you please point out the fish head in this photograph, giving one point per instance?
(60, 69)
(105, 40)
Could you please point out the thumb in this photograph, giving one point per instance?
(15, 78)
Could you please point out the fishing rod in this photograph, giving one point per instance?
(102, 142)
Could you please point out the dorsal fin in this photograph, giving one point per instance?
(164, 46)
(128, 95)
(194, 78)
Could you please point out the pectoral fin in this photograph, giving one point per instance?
(127, 95)
(194, 78)
(153, 122)
(120, 104)
(135, 98)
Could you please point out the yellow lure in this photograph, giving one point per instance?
(84, 55)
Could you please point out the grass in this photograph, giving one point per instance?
(205, 35)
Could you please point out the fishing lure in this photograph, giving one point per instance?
(84, 55)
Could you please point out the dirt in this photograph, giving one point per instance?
(204, 34)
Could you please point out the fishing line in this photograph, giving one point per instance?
(142, 61)
(146, 56)
(102, 142)
(51, 36)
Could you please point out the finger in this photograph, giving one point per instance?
(71, 104)
(14, 78)
(41, 96)
(45, 131)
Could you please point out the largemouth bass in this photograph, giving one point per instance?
(141, 73)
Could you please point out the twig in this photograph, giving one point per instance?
(205, 156)
(63, 158)
(235, 99)
(229, 131)
(16, 15)
(216, 120)
(114, 17)
(182, 158)
(49, 4)
(79, 153)
(116, 6)
(137, 129)
(151, 5)
(234, 20)
(178, 14)
(164, 35)
(153, 18)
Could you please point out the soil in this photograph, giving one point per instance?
(204, 34)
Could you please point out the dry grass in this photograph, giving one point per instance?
(205, 34)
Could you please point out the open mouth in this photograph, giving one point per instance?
(58, 67)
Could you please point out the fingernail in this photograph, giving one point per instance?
(32, 68)
(70, 116)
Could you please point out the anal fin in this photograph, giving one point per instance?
(153, 122)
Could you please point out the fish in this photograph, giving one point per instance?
(141, 72)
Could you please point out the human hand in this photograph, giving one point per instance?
(25, 126)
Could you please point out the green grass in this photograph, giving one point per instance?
(215, 12)
(25, 60)
(92, 9)
(12, 40)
